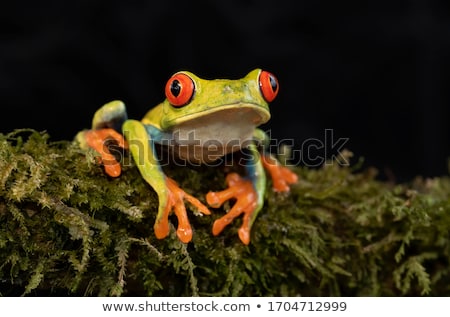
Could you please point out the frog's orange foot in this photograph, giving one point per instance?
(175, 202)
(246, 202)
(281, 176)
(98, 140)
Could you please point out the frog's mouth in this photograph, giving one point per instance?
(210, 134)
(249, 114)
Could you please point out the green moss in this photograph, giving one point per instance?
(68, 229)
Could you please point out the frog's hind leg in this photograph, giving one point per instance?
(281, 176)
(248, 193)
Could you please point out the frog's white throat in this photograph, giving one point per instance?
(215, 134)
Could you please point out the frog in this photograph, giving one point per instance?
(200, 121)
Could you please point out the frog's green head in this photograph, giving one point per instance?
(193, 100)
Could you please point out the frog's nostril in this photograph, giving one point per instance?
(227, 89)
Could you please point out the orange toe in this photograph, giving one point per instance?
(161, 228)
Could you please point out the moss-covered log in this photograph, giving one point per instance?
(68, 229)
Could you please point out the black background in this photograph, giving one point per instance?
(374, 72)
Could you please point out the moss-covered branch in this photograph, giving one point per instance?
(68, 229)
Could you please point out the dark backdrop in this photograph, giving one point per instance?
(374, 72)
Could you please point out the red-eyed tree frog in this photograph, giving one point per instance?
(200, 121)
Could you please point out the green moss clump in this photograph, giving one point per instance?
(68, 229)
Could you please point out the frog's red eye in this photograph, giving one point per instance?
(268, 84)
(179, 89)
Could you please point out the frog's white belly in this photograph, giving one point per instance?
(210, 137)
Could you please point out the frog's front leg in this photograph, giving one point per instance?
(106, 123)
(171, 196)
(249, 195)
(249, 191)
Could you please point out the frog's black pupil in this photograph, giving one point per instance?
(273, 83)
(175, 88)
